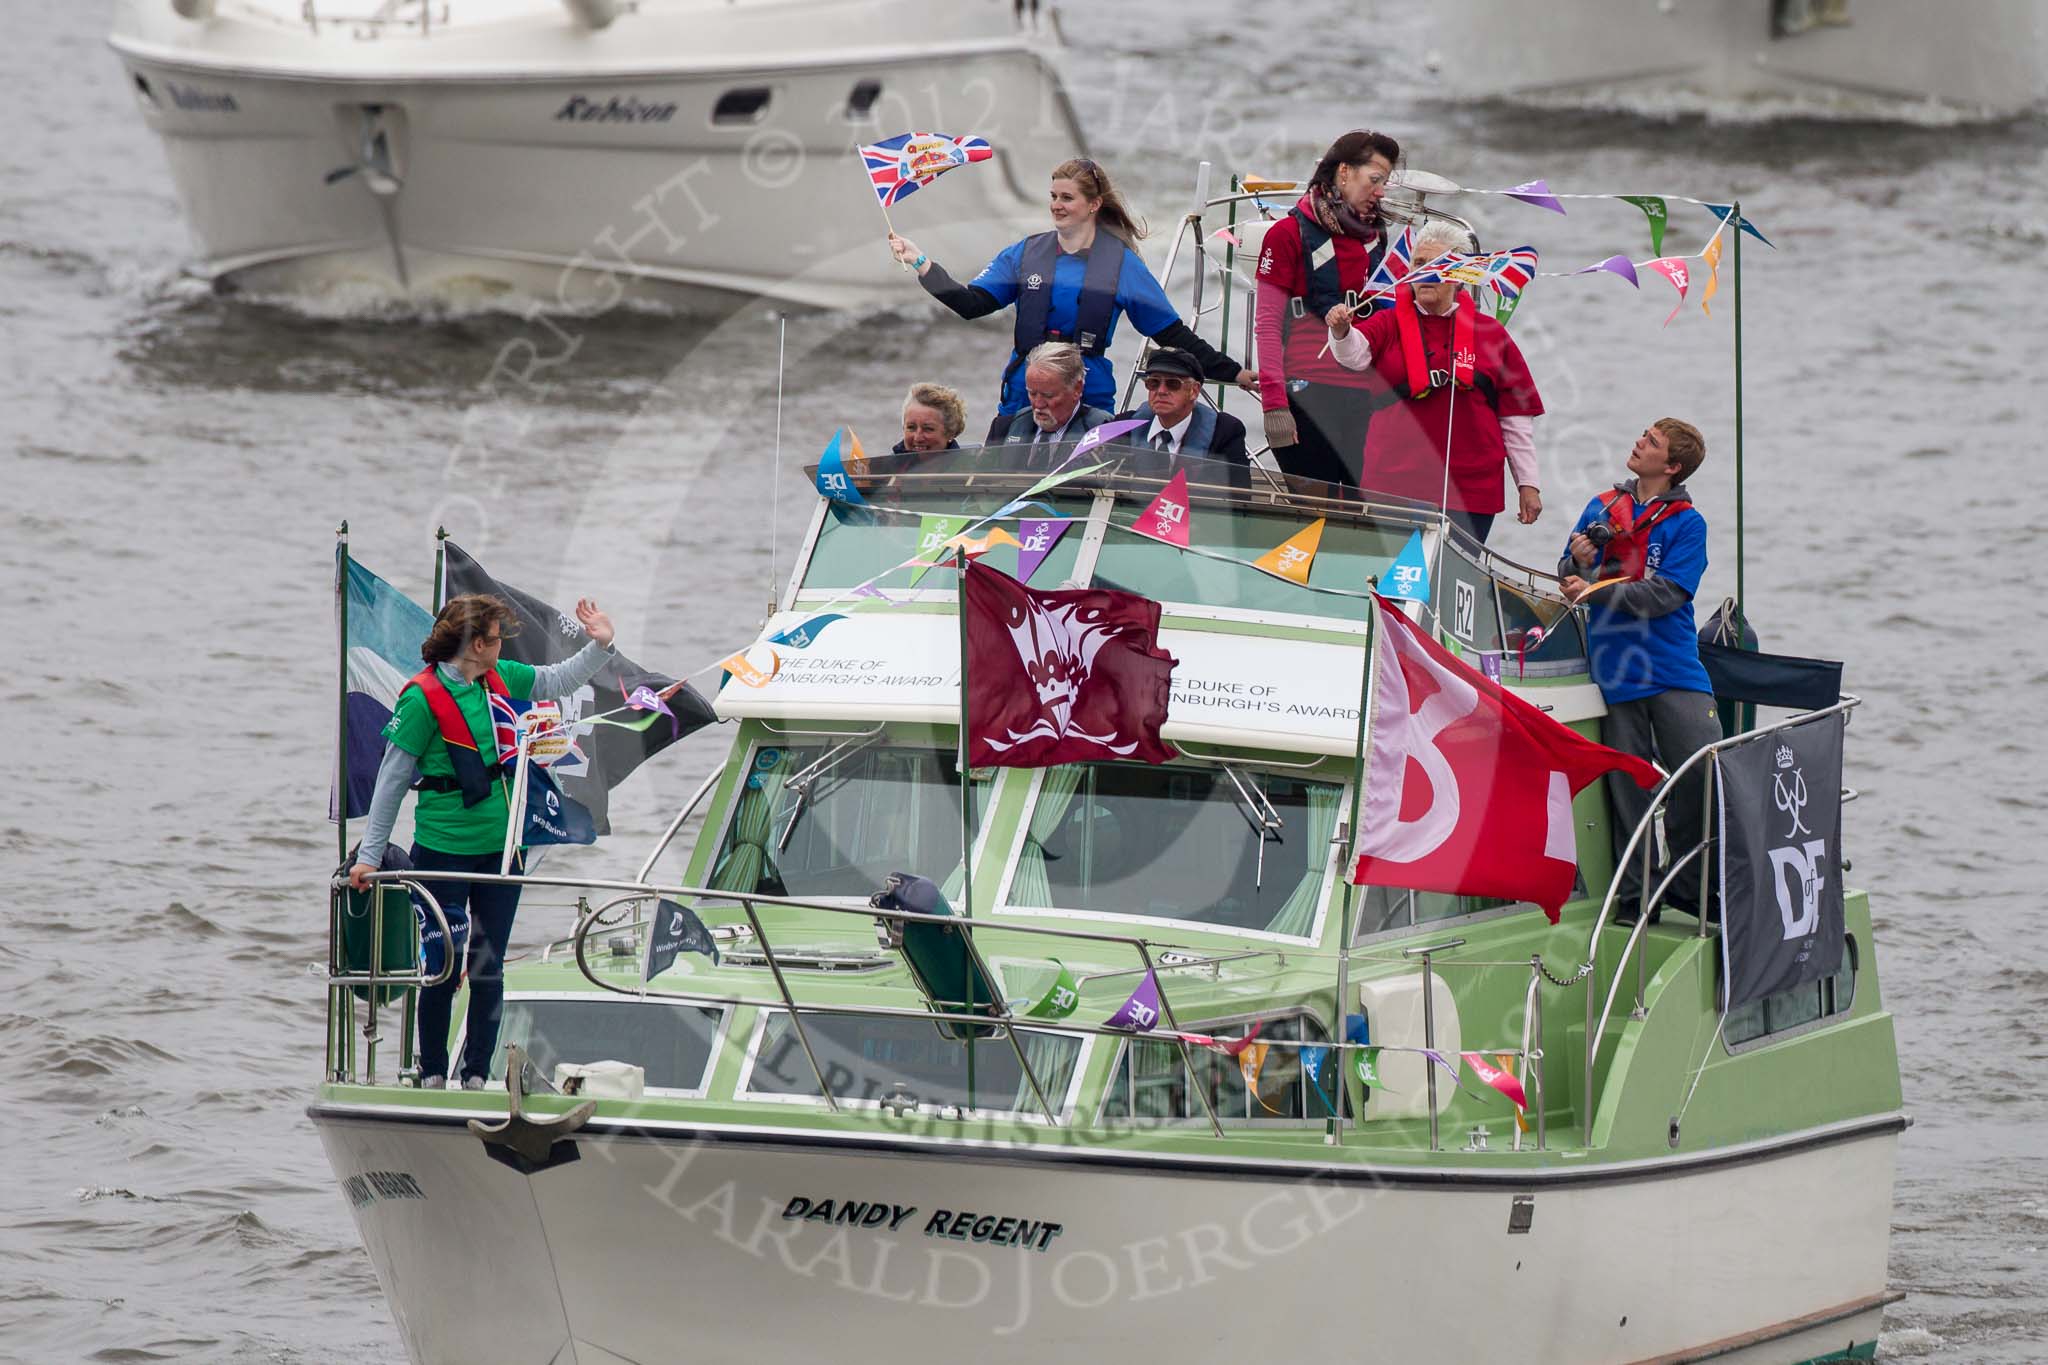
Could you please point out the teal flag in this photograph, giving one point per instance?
(1407, 578)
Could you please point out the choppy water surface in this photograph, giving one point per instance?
(175, 465)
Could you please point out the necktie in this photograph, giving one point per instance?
(1163, 440)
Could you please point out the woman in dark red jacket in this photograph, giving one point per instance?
(1317, 411)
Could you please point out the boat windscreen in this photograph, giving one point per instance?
(855, 544)
(1346, 556)
(823, 820)
(865, 1058)
(1181, 843)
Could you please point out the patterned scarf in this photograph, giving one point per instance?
(1339, 219)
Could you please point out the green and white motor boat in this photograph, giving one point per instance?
(871, 1131)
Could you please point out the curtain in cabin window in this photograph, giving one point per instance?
(1055, 794)
(744, 861)
(1299, 912)
(1052, 1061)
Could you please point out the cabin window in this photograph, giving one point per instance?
(1346, 556)
(866, 1058)
(672, 1043)
(1791, 1010)
(1179, 842)
(1151, 1082)
(747, 105)
(819, 819)
(1383, 909)
(861, 103)
(855, 544)
(1539, 638)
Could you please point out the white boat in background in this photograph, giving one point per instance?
(1985, 58)
(571, 151)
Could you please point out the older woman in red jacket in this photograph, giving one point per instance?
(1315, 259)
(1457, 383)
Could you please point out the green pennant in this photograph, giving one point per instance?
(1368, 1067)
(1505, 308)
(1061, 998)
(1654, 209)
(933, 531)
(1055, 480)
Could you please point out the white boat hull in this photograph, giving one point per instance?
(678, 1247)
(539, 172)
(1990, 57)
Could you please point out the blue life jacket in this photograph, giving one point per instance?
(1094, 311)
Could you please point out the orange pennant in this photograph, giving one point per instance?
(977, 546)
(1712, 256)
(1291, 558)
(743, 668)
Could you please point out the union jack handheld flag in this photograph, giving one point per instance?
(900, 165)
(1400, 254)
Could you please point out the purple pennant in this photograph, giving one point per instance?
(1140, 1013)
(1535, 192)
(647, 699)
(1619, 265)
(1104, 434)
(1035, 538)
(870, 590)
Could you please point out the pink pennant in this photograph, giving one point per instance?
(1225, 234)
(1234, 1047)
(1036, 537)
(1500, 1080)
(1167, 518)
(1618, 265)
(1535, 192)
(1674, 269)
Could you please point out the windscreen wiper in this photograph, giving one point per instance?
(1260, 814)
(801, 782)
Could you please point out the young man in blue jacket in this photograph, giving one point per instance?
(1634, 560)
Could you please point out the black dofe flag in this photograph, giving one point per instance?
(604, 754)
(1781, 859)
(677, 930)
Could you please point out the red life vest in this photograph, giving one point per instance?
(473, 776)
(1630, 547)
(1464, 355)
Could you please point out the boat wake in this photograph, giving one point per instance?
(1677, 104)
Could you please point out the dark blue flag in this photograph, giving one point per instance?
(605, 753)
(552, 818)
(677, 930)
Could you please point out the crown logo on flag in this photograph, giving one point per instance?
(1786, 758)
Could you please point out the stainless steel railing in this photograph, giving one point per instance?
(1159, 959)
(1641, 837)
(342, 984)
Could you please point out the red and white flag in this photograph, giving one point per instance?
(1468, 788)
(1062, 677)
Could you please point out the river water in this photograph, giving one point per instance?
(175, 464)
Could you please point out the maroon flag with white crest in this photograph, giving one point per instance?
(1062, 677)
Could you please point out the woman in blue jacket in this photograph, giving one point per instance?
(1071, 284)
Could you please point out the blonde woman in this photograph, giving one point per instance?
(1071, 284)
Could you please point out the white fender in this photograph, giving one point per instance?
(592, 14)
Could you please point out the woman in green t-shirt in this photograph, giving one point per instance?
(441, 736)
